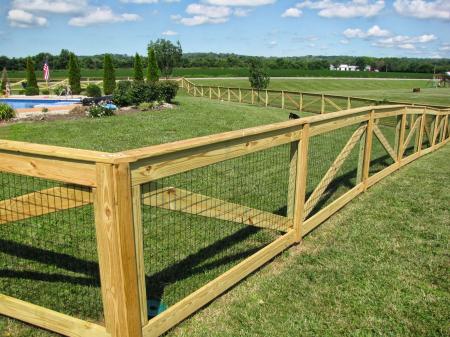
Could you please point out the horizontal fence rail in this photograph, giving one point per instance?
(290, 100)
(148, 236)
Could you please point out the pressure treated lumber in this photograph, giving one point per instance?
(49, 319)
(180, 200)
(379, 134)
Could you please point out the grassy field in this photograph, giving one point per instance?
(234, 72)
(56, 260)
(399, 90)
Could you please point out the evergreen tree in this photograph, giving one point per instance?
(258, 75)
(168, 55)
(138, 70)
(74, 75)
(153, 69)
(31, 76)
(4, 79)
(109, 76)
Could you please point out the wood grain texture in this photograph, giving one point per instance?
(68, 171)
(180, 200)
(381, 137)
(48, 319)
(116, 250)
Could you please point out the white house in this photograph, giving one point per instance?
(344, 67)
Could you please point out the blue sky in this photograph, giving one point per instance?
(413, 28)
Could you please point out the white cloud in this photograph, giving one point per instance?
(445, 47)
(208, 11)
(292, 13)
(241, 12)
(273, 44)
(374, 31)
(344, 41)
(198, 20)
(140, 1)
(409, 46)
(422, 9)
(348, 9)
(101, 16)
(169, 33)
(51, 6)
(22, 19)
(240, 3)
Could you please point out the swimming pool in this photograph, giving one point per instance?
(18, 103)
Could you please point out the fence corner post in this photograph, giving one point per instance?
(116, 250)
(366, 152)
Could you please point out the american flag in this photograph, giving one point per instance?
(46, 71)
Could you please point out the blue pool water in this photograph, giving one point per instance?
(37, 103)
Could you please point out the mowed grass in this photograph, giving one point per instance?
(198, 249)
(379, 267)
(398, 90)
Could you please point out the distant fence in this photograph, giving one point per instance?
(291, 100)
(129, 244)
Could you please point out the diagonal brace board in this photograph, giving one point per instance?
(411, 133)
(333, 104)
(384, 141)
(43, 202)
(293, 101)
(177, 199)
(311, 103)
(333, 170)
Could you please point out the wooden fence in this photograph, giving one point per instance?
(180, 223)
(291, 100)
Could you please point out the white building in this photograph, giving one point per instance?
(344, 67)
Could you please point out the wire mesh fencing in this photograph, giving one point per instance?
(385, 143)
(200, 223)
(48, 250)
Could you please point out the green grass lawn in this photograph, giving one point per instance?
(377, 268)
(400, 90)
(52, 258)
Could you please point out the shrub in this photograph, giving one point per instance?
(74, 74)
(109, 75)
(138, 69)
(93, 90)
(4, 79)
(45, 92)
(143, 92)
(147, 106)
(31, 76)
(31, 91)
(44, 110)
(152, 69)
(168, 90)
(121, 94)
(258, 75)
(97, 111)
(6, 112)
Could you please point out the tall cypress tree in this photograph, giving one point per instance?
(109, 76)
(153, 69)
(31, 76)
(138, 70)
(4, 79)
(74, 74)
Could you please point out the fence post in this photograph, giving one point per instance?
(300, 108)
(300, 182)
(210, 93)
(240, 95)
(218, 93)
(436, 130)
(267, 98)
(202, 92)
(282, 99)
(419, 138)
(349, 103)
(402, 137)
(229, 97)
(116, 250)
(444, 132)
(322, 107)
(365, 151)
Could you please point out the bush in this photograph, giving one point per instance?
(93, 90)
(121, 94)
(6, 112)
(168, 90)
(45, 92)
(135, 93)
(31, 91)
(97, 111)
(147, 106)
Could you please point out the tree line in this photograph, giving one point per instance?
(214, 60)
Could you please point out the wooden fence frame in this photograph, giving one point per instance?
(236, 94)
(115, 180)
